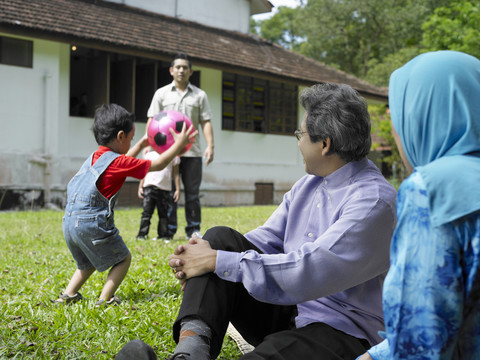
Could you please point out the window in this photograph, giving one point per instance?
(98, 77)
(256, 105)
(88, 81)
(16, 52)
(283, 102)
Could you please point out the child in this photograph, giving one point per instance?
(155, 190)
(88, 224)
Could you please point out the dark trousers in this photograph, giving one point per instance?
(191, 174)
(270, 328)
(155, 198)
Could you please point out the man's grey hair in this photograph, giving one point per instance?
(338, 112)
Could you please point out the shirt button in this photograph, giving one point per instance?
(318, 205)
(226, 273)
(326, 182)
(310, 235)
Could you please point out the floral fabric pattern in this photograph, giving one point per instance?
(431, 296)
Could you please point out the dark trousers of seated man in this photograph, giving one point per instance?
(270, 328)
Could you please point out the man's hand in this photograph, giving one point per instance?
(208, 134)
(192, 259)
(208, 155)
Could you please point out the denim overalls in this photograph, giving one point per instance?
(88, 224)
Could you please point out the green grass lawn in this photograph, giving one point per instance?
(35, 266)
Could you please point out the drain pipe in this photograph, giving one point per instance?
(45, 159)
(46, 153)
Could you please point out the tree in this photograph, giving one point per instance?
(353, 35)
(379, 71)
(454, 27)
(350, 33)
(282, 28)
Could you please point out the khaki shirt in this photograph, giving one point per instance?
(192, 103)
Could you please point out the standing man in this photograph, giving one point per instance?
(188, 99)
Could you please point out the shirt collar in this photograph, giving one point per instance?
(345, 173)
(173, 87)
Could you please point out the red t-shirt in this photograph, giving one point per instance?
(112, 180)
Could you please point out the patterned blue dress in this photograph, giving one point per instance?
(432, 291)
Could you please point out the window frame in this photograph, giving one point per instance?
(256, 105)
(24, 52)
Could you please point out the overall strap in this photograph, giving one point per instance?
(102, 163)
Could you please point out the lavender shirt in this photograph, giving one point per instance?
(326, 249)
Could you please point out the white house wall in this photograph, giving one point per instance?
(200, 11)
(29, 113)
(42, 146)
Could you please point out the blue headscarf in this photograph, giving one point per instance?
(435, 108)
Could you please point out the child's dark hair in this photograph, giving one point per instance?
(109, 120)
(182, 56)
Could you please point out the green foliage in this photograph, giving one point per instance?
(282, 28)
(379, 72)
(382, 127)
(254, 27)
(371, 38)
(36, 265)
(351, 33)
(456, 27)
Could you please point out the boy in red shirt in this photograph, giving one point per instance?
(88, 224)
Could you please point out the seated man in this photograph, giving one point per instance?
(322, 256)
(320, 259)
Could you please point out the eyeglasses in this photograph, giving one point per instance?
(299, 133)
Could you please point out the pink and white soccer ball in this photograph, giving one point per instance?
(159, 136)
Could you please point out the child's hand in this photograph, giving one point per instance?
(185, 136)
(144, 142)
(147, 149)
(176, 195)
(139, 145)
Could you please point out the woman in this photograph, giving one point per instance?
(432, 291)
